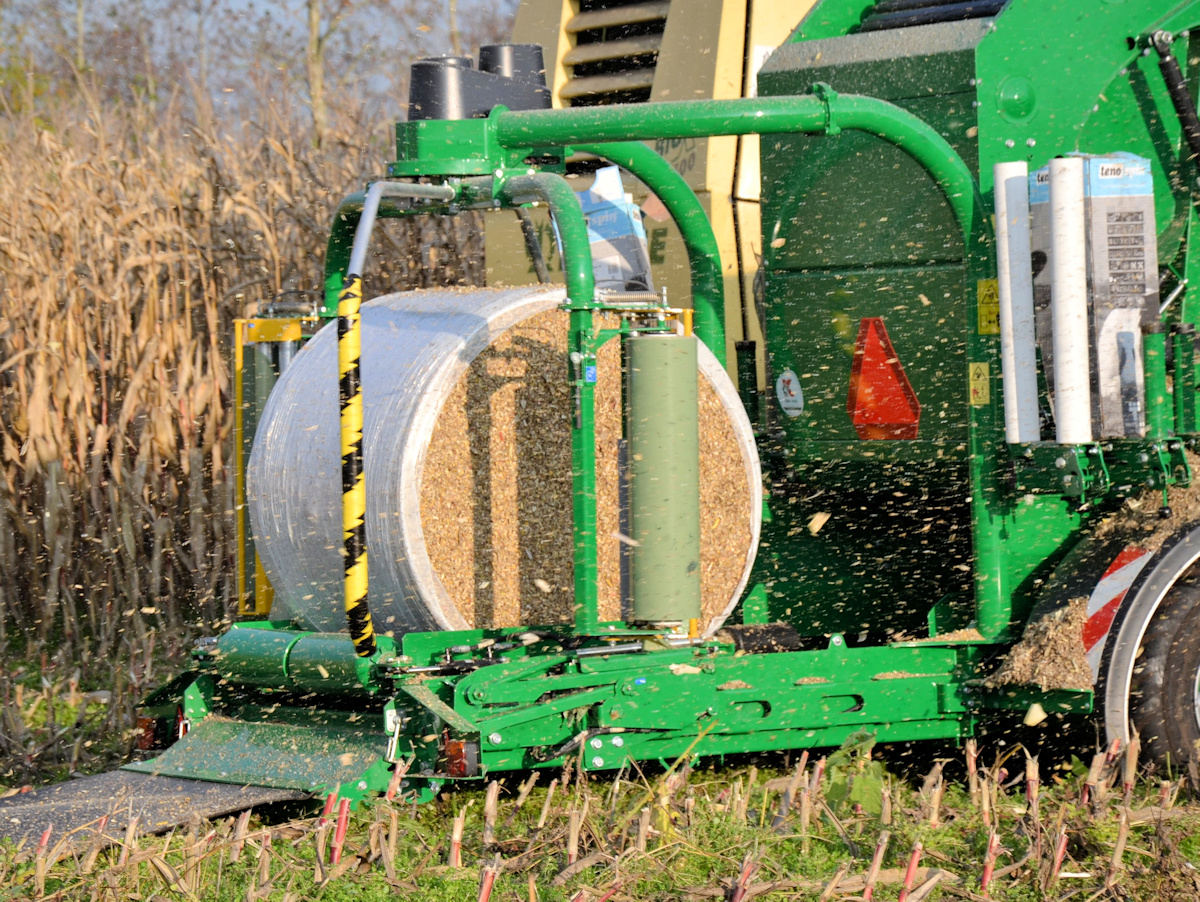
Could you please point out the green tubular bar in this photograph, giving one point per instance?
(704, 257)
(1158, 406)
(822, 112)
(581, 300)
(577, 265)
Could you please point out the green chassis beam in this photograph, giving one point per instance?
(548, 703)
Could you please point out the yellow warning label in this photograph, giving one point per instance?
(987, 292)
(980, 384)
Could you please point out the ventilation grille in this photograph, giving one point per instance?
(615, 52)
(888, 14)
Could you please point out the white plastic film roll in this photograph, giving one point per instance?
(1069, 302)
(1015, 274)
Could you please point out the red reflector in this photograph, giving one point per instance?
(882, 403)
(145, 733)
(462, 758)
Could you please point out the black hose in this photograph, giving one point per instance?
(895, 6)
(908, 15)
(533, 245)
(1185, 108)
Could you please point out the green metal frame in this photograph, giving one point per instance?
(606, 693)
(575, 692)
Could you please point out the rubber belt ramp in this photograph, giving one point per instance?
(159, 803)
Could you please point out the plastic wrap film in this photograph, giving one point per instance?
(416, 346)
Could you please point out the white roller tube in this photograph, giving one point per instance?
(1069, 302)
(1015, 275)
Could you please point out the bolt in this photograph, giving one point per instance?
(495, 738)
(1061, 463)
(597, 742)
(1143, 457)
(618, 741)
(597, 761)
(478, 694)
(1030, 142)
(1010, 143)
(362, 784)
(837, 640)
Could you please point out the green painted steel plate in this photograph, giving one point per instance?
(288, 756)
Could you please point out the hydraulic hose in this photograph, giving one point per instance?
(533, 245)
(344, 229)
(1185, 109)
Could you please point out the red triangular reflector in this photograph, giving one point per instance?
(882, 403)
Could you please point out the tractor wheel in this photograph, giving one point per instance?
(1165, 689)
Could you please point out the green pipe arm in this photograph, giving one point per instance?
(581, 301)
(568, 216)
(704, 257)
(822, 112)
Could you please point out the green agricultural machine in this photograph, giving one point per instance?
(978, 300)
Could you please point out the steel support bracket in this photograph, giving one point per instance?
(1152, 464)
(1048, 468)
(827, 95)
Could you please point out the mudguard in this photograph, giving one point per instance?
(1125, 578)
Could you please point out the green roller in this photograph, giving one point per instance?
(282, 659)
(664, 477)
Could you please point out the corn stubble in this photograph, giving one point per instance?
(682, 833)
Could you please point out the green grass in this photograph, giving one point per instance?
(683, 860)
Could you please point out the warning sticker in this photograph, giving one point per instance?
(980, 384)
(987, 293)
(791, 397)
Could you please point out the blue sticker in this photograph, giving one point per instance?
(589, 374)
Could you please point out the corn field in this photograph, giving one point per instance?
(131, 237)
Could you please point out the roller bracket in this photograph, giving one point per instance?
(827, 95)
(1048, 468)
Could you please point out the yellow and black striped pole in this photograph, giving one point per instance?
(354, 492)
